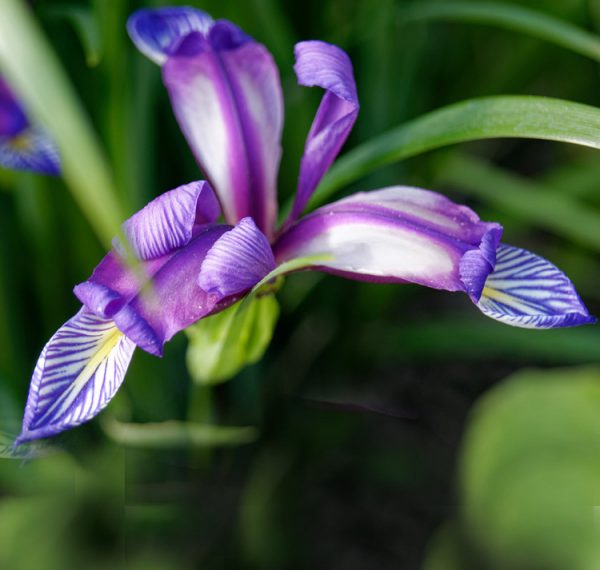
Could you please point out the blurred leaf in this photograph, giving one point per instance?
(480, 339)
(534, 202)
(444, 551)
(222, 344)
(24, 451)
(86, 28)
(531, 471)
(511, 17)
(32, 68)
(484, 118)
(174, 434)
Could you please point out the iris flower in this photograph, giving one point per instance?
(22, 145)
(226, 94)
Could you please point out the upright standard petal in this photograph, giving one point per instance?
(79, 371)
(525, 290)
(326, 66)
(157, 33)
(237, 261)
(397, 234)
(226, 95)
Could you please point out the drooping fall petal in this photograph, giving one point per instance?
(79, 371)
(525, 290)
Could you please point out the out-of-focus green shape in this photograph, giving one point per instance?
(480, 339)
(509, 16)
(24, 451)
(511, 116)
(444, 552)
(175, 434)
(534, 202)
(222, 344)
(85, 26)
(530, 473)
(31, 67)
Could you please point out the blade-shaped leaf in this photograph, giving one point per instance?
(77, 374)
(509, 16)
(474, 119)
(32, 68)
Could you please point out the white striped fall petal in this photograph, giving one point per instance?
(525, 290)
(79, 371)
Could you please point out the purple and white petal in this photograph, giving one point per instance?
(237, 261)
(31, 150)
(525, 290)
(79, 371)
(157, 33)
(168, 222)
(226, 95)
(174, 300)
(397, 234)
(329, 67)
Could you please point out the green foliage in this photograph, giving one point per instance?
(531, 472)
(512, 17)
(221, 345)
(476, 119)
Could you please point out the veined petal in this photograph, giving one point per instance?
(168, 222)
(226, 95)
(30, 150)
(174, 300)
(329, 67)
(79, 371)
(397, 234)
(237, 261)
(157, 33)
(525, 290)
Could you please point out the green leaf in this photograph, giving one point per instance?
(33, 70)
(85, 26)
(511, 17)
(174, 434)
(534, 202)
(222, 344)
(531, 471)
(474, 119)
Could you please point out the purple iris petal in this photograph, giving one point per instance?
(78, 372)
(157, 33)
(226, 95)
(397, 234)
(32, 150)
(12, 116)
(168, 222)
(22, 146)
(326, 66)
(237, 261)
(525, 290)
(174, 300)
(171, 236)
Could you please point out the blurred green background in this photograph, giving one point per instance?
(386, 426)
